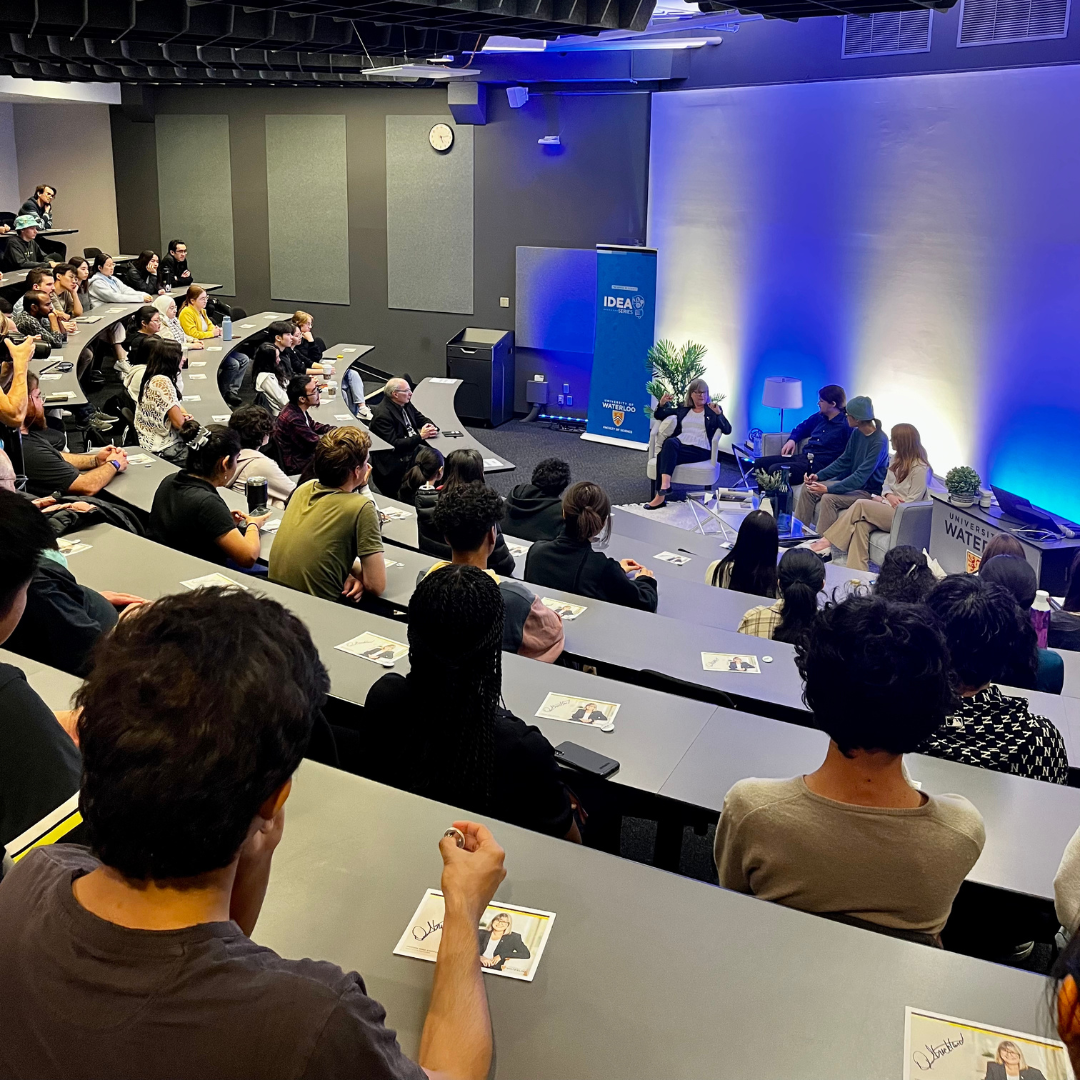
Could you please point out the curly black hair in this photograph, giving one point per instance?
(905, 576)
(464, 514)
(252, 423)
(551, 476)
(876, 675)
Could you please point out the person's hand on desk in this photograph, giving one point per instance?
(127, 602)
(788, 449)
(147, 298)
(49, 505)
(217, 331)
(428, 431)
(353, 589)
(107, 452)
(644, 571)
(244, 520)
(471, 874)
(196, 344)
(630, 565)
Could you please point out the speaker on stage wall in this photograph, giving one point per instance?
(484, 362)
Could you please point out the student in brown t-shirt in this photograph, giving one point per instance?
(135, 959)
(855, 837)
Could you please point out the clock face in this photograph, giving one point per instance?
(441, 137)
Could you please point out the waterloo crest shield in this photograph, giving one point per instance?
(617, 415)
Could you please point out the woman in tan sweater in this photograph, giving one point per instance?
(906, 481)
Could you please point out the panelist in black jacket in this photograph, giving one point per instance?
(569, 563)
(698, 420)
(396, 420)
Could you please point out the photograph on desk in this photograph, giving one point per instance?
(512, 939)
(208, 581)
(576, 710)
(392, 513)
(724, 661)
(948, 1048)
(565, 611)
(378, 650)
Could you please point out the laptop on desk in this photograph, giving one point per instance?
(1016, 506)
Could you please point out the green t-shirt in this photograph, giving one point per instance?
(322, 532)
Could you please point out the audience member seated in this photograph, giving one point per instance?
(750, 566)
(468, 516)
(295, 433)
(147, 323)
(40, 205)
(253, 425)
(141, 274)
(1018, 578)
(188, 513)
(697, 421)
(271, 378)
(309, 347)
(329, 543)
(570, 564)
(37, 319)
(1065, 624)
(462, 467)
(986, 632)
(116, 332)
(22, 251)
(197, 324)
(160, 419)
(44, 280)
(855, 838)
(857, 473)
(183, 819)
(285, 334)
(397, 421)
(171, 329)
(173, 272)
(1002, 544)
(39, 763)
(534, 510)
(801, 580)
(107, 288)
(424, 476)
(67, 302)
(826, 434)
(63, 620)
(905, 576)
(48, 471)
(906, 481)
(464, 748)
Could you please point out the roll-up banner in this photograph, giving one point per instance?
(625, 319)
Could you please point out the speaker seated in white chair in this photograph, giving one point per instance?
(687, 453)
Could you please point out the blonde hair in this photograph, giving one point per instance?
(1019, 1053)
(909, 451)
(301, 317)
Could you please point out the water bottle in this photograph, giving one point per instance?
(226, 329)
(256, 490)
(1040, 616)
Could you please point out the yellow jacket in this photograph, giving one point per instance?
(196, 324)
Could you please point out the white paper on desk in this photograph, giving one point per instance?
(196, 363)
(673, 558)
(71, 547)
(213, 348)
(88, 319)
(392, 513)
(208, 580)
(390, 562)
(948, 1048)
(739, 663)
(344, 417)
(191, 397)
(59, 395)
(564, 610)
(114, 310)
(49, 378)
(272, 525)
(440, 380)
(515, 956)
(348, 350)
(577, 710)
(195, 375)
(492, 463)
(379, 650)
(140, 459)
(247, 326)
(223, 419)
(517, 550)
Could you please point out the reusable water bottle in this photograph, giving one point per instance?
(226, 329)
(1040, 616)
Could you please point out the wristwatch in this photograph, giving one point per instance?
(114, 463)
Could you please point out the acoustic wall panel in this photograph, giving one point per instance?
(429, 217)
(555, 299)
(308, 208)
(195, 193)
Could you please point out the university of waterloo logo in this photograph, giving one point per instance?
(618, 416)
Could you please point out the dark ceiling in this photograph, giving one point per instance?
(305, 42)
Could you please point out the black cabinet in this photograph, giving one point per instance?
(484, 362)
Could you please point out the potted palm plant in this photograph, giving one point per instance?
(963, 485)
(673, 368)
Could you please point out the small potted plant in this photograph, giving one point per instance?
(964, 485)
(775, 495)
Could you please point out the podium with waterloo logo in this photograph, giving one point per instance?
(625, 322)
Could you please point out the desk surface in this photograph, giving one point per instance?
(623, 989)
(435, 399)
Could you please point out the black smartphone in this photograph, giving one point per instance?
(453, 434)
(580, 757)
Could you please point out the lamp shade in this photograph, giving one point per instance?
(782, 393)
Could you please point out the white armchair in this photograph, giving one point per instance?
(695, 474)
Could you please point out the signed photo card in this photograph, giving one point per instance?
(378, 650)
(576, 710)
(948, 1048)
(512, 939)
(739, 663)
(561, 608)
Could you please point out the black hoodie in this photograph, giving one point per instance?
(533, 515)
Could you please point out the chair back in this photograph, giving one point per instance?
(91, 253)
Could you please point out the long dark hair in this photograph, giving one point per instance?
(163, 357)
(753, 558)
(100, 259)
(463, 467)
(268, 359)
(802, 577)
(455, 644)
(586, 512)
(426, 466)
(208, 446)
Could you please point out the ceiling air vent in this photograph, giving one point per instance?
(886, 33)
(988, 22)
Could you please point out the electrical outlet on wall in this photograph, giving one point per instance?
(566, 388)
(504, 301)
(561, 398)
(569, 400)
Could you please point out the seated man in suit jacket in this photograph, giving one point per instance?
(405, 428)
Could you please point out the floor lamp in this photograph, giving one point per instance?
(782, 393)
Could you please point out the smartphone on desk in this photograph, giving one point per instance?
(580, 757)
(453, 434)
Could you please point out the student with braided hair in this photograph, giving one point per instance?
(460, 745)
